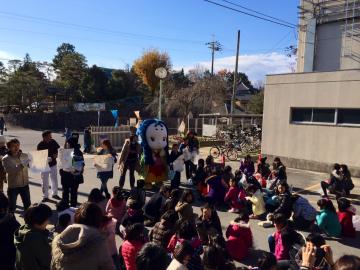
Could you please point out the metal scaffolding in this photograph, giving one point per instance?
(325, 11)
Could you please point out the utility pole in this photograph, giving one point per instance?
(214, 46)
(235, 73)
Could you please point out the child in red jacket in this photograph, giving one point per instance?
(345, 215)
(133, 243)
(235, 197)
(239, 237)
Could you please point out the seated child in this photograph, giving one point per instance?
(285, 202)
(304, 213)
(187, 232)
(216, 186)
(345, 215)
(235, 197)
(137, 195)
(184, 207)
(64, 221)
(172, 201)
(327, 220)
(257, 201)
(199, 176)
(227, 174)
(239, 237)
(247, 166)
(133, 215)
(208, 223)
(64, 208)
(116, 207)
(154, 207)
(281, 241)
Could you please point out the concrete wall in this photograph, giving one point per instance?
(311, 146)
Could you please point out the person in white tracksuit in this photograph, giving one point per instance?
(48, 143)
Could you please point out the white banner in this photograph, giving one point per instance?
(209, 130)
(103, 163)
(39, 161)
(65, 158)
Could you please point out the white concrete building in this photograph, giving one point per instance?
(312, 117)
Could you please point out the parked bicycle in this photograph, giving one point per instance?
(232, 151)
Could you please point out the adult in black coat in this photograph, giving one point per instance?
(153, 209)
(8, 226)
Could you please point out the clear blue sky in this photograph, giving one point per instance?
(131, 26)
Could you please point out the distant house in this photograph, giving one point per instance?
(243, 95)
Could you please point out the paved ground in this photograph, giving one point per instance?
(305, 182)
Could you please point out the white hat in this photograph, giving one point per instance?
(2, 139)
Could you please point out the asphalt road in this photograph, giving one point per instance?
(304, 182)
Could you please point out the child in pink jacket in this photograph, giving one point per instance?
(116, 207)
(235, 197)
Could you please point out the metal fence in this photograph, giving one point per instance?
(116, 135)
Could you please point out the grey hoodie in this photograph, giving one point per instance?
(81, 247)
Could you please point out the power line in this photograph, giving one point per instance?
(86, 39)
(249, 14)
(260, 13)
(96, 29)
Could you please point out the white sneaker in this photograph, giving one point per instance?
(233, 210)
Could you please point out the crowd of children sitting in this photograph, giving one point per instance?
(163, 232)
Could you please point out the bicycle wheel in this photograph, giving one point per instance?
(215, 151)
(232, 154)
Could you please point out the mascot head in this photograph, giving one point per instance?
(154, 137)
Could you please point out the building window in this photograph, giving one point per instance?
(348, 116)
(335, 116)
(323, 115)
(301, 115)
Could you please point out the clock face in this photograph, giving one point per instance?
(161, 72)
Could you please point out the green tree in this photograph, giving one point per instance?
(95, 85)
(70, 68)
(25, 85)
(256, 103)
(146, 65)
(62, 50)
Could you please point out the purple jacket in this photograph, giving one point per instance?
(216, 189)
(247, 168)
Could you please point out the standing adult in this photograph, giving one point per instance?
(3, 152)
(16, 166)
(72, 177)
(106, 149)
(48, 143)
(2, 125)
(129, 160)
(193, 148)
(87, 141)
